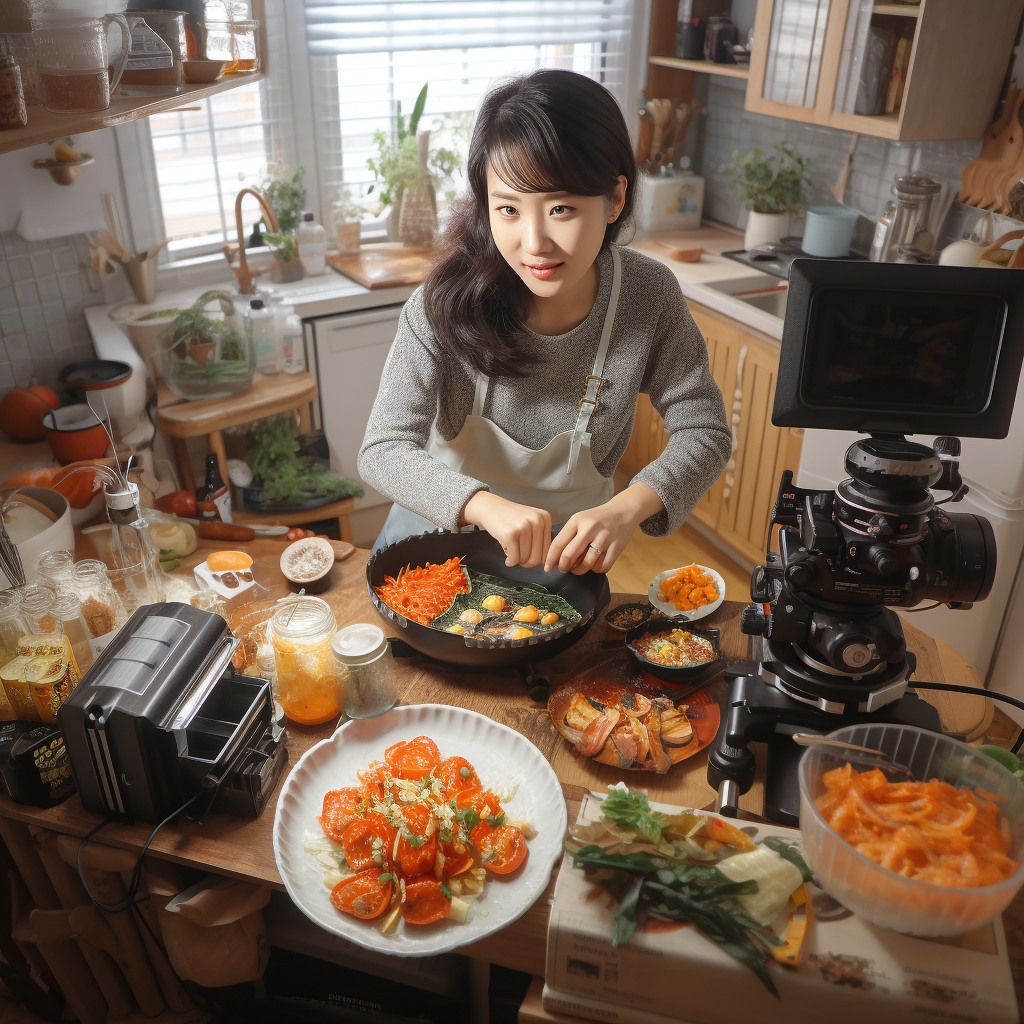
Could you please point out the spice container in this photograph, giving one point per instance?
(11, 629)
(37, 608)
(153, 68)
(68, 610)
(102, 609)
(13, 111)
(56, 569)
(308, 678)
(45, 667)
(368, 670)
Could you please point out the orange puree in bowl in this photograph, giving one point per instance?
(928, 831)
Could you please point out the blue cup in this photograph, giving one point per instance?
(828, 230)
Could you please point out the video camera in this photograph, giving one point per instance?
(886, 350)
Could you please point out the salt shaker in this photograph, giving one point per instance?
(13, 112)
(368, 668)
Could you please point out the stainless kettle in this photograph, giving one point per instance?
(904, 232)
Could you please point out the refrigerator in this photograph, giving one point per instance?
(991, 634)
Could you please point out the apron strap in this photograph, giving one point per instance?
(480, 395)
(588, 403)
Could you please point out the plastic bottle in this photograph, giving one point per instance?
(291, 341)
(312, 239)
(259, 324)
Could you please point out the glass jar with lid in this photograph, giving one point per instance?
(56, 568)
(68, 610)
(11, 628)
(367, 669)
(102, 608)
(308, 678)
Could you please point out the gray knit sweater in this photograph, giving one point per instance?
(655, 348)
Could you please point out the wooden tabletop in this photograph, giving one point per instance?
(243, 848)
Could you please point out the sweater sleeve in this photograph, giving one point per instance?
(393, 457)
(681, 387)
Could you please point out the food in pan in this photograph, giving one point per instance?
(465, 602)
(678, 648)
(688, 589)
(415, 840)
(928, 831)
(626, 616)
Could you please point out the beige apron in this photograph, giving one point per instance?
(560, 477)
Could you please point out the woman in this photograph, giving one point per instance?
(509, 394)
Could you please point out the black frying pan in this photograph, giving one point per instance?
(588, 594)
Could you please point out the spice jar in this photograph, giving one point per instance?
(56, 569)
(37, 608)
(367, 668)
(308, 679)
(13, 112)
(68, 609)
(102, 609)
(11, 628)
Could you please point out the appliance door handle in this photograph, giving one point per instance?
(357, 319)
(215, 668)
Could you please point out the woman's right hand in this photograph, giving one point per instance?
(524, 533)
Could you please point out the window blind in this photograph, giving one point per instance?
(363, 26)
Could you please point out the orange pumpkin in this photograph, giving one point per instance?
(22, 411)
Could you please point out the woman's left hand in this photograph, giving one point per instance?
(594, 539)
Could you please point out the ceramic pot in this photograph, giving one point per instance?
(763, 228)
(282, 273)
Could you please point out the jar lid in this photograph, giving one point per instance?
(359, 644)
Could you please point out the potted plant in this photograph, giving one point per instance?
(281, 476)
(286, 266)
(772, 186)
(285, 194)
(347, 215)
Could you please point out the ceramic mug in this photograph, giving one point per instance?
(828, 231)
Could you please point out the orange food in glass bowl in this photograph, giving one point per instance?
(224, 561)
(688, 589)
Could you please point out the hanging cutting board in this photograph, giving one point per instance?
(996, 148)
(382, 265)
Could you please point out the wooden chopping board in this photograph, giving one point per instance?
(382, 265)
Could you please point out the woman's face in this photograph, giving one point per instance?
(550, 240)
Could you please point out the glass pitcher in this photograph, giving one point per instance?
(71, 53)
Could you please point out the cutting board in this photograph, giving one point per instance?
(382, 265)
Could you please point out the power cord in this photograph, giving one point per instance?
(959, 688)
(136, 877)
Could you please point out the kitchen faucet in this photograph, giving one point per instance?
(242, 272)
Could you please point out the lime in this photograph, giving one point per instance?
(1009, 761)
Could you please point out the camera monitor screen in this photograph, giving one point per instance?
(903, 348)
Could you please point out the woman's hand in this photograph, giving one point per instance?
(524, 533)
(593, 539)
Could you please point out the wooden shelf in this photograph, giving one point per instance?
(705, 66)
(44, 127)
(900, 10)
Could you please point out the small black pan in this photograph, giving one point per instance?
(588, 594)
(673, 673)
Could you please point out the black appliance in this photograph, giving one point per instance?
(34, 764)
(887, 350)
(776, 258)
(162, 718)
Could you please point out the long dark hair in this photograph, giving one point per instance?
(547, 131)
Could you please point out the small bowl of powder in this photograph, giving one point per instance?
(307, 562)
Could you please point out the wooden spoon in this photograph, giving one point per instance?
(974, 175)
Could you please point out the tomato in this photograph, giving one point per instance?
(454, 862)
(417, 860)
(294, 534)
(456, 774)
(425, 903)
(339, 811)
(501, 849)
(308, 533)
(412, 759)
(358, 840)
(484, 802)
(178, 503)
(362, 895)
(376, 778)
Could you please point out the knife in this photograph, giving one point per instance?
(233, 531)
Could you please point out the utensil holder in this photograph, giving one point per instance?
(142, 276)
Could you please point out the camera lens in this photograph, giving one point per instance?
(970, 563)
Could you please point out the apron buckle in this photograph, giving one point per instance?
(591, 378)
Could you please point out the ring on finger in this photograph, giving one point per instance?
(595, 548)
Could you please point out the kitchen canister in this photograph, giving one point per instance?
(670, 203)
(828, 230)
(365, 660)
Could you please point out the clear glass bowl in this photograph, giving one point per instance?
(878, 894)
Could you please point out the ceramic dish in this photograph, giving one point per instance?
(297, 549)
(501, 756)
(642, 611)
(203, 70)
(680, 674)
(668, 608)
(75, 434)
(207, 578)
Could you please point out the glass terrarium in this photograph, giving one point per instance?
(207, 353)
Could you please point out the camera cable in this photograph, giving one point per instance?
(960, 688)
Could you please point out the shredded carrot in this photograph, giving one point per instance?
(423, 593)
(928, 831)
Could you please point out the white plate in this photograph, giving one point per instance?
(670, 609)
(498, 754)
(204, 575)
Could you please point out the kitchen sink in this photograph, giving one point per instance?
(761, 291)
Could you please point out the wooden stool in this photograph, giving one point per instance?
(269, 395)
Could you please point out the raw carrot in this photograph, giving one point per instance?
(423, 593)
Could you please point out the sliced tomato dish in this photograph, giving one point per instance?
(419, 837)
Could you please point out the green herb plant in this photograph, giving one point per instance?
(272, 451)
(194, 326)
(770, 182)
(285, 194)
(285, 247)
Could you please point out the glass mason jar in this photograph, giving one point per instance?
(102, 609)
(37, 608)
(56, 568)
(68, 609)
(308, 679)
(367, 668)
(11, 629)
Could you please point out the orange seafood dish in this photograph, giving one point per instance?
(688, 589)
(928, 831)
(419, 836)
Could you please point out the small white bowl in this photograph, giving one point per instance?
(299, 545)
(670, 609)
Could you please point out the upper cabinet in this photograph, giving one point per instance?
(897, 71)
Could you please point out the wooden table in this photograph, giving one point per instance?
(269, 395)
(243, 848)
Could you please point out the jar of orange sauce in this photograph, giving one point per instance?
(309, 686)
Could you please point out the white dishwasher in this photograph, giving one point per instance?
(347, 354)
